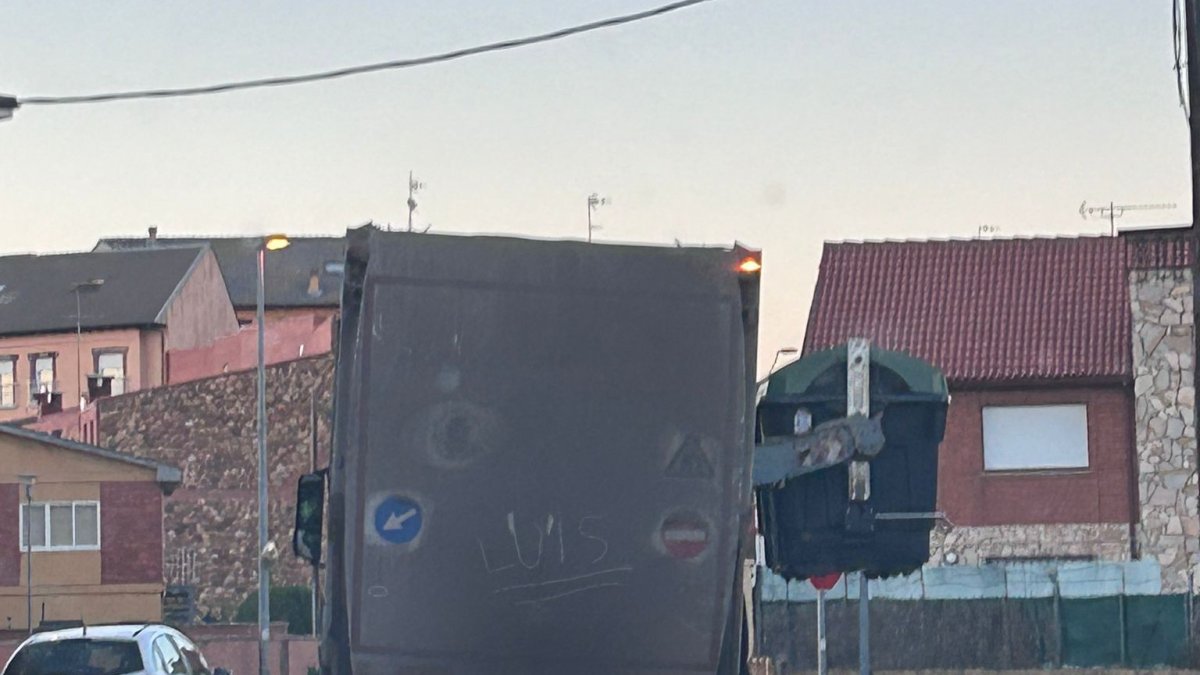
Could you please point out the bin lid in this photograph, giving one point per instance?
(795, 378)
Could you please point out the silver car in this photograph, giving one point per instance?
(134, 649)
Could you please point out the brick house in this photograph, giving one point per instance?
(118, 314)
(303, 279)
(96, 531)
(207, 427)
(287, 337)
(1070, 361)
(303, 285)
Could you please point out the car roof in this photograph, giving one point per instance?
(134, 631)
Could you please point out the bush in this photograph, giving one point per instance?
(288, 603)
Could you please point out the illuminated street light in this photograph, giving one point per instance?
(8, 106)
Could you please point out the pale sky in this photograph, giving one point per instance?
(776, 123)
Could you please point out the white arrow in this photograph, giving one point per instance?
(396, 520)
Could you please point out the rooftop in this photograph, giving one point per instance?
(117, 289)
(984, 310)
(164, 473)
(305, 274)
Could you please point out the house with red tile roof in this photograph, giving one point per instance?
(1071, 430)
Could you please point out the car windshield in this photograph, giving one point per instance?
(80, 656)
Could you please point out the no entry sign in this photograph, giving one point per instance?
(685, 535)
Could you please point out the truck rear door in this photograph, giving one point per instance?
(548, 462)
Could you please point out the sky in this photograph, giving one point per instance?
(781, 124)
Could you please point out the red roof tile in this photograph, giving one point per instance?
(982, 310)
(1159, 248)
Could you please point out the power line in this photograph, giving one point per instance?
(368, 68)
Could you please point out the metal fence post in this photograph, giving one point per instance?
(1121, 618)
(864, 625)
(822, 657)
(1188, 611)
(1058, 627)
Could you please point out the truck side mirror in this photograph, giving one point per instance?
(310, 517)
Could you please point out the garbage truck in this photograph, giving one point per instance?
(541, 459)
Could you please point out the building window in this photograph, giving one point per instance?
(1019, 438)
(61, 526)
(8, 381)
(111, 363)
(41, 375)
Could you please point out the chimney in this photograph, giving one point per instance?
(153, 236)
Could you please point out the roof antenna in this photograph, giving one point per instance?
(1114, 211)
(595, 201)
(414, 186)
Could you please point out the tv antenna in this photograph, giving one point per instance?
(1114, 211)
(595, 201)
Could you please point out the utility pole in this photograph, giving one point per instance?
(1191, 26)
(264, 573)
(312, 458)
(1193, 77)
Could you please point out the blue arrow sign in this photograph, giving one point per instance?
(398, 520)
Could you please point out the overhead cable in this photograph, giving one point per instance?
(367, 68)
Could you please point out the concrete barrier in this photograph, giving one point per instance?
(1014, 580)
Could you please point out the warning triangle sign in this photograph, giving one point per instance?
(690, 460)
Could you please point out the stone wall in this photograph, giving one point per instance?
(975, 545)
(207, 427)
(1164, 420)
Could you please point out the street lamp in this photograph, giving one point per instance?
(8, 106)
(274, 242)
(28, 479)
(90, 285)
(785, 351)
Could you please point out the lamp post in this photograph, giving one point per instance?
(28, 480)
(273, 242)
(90, 285)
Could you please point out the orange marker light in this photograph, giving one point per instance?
(750, 266)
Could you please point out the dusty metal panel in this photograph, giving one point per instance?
(545, 461)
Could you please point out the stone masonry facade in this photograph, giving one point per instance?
(1165, 420)
(208, 428)
(976, 545)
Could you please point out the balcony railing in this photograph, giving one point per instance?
(36, 388)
